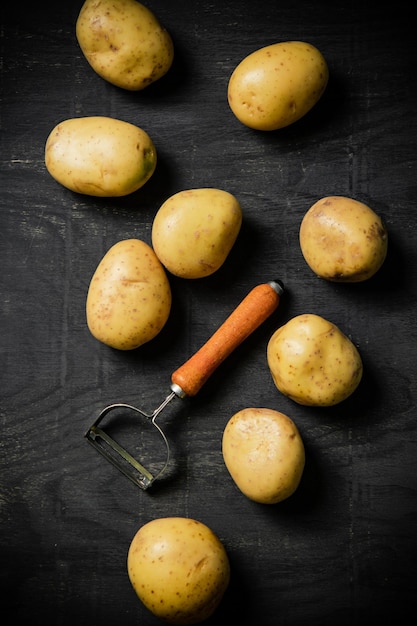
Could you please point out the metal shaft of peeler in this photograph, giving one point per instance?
(258, 305)
(167, 400)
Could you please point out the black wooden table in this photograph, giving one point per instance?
(342, 549)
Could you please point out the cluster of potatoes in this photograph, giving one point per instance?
(129, 298)
(178, 566)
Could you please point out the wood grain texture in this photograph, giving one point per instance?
(342, 550)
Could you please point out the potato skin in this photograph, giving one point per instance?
(100, 156)
(194, 231)
(343, 240)
(124, 42)
(264, 454)
(275, 86)
(312, 362)
(129, 297)
(179, 569)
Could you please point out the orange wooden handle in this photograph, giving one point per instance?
(251, 312)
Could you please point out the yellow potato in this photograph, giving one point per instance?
(129, 297)
(179, 569)
(194, 231)
(264, 453)
(343, 240)
(312, 362)
(124, 42)
(100, 156)
(275, 86)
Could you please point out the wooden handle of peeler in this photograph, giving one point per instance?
(258, 305)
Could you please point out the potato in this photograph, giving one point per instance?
(129, 297)
(124, 42)
(264, 454)
(179, 569)
(194, 231)
(343, 240)
(100, 156)
(275, 86)
(312, 362)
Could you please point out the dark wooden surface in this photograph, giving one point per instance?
(342, 550)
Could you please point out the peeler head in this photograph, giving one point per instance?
(116, 454)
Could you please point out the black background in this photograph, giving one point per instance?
(342, 549)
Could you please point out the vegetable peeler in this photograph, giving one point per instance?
(188, 379)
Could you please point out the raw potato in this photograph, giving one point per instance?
(129, 297)
(343, 240)
(194, 231)
(277, 85)
(124, 42)
(312, 362)
(100, 156)
(264, 453)
(179, 569)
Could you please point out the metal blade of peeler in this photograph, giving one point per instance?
(188, 379)
(117, 455)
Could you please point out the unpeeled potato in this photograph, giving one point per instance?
(277, 85)
(264, 454)
(129, 297)
(100, 156)
(124, 42)
(312, 362)
(179, 569)
(343, 240)
(194, 231)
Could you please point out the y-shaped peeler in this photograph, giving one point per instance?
(188, 379)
